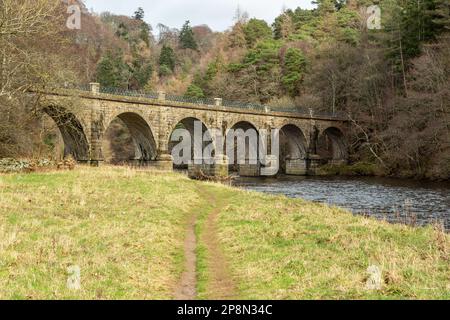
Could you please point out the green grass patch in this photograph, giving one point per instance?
(281, 248)
(124, 229)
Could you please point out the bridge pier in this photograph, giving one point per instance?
(163, 162)
(270, 166)
(304, 167)
(249, 170)
(220, 167)
(296, 167)
(139, 163)
(313, 163)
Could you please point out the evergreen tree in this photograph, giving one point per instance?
(325, 7)
(141, 73)
(406, 26)
(144, 33)
(304, 22)
(186, 38)
(139, 14)
(293, 71)
(256, 30)
(167, 58)
(283, 26)
(194, 91)
(339, 4)
(441, 15)
(112, 72)
(236, 37)
(347, 30)
(205, 80)
(122, 31)
(164, 71)
(260, 71)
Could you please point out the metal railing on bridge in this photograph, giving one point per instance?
(205, 101)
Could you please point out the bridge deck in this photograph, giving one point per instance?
(149, 98)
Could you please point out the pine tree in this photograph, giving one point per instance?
(187, 40)
(144, 33)
(167, 58)
(441, 15)
(256, 30)
(194, 91)
(325, 7)
(283, 26)
(139, 14)
(122, 31)
(293, 71)
(141, 72)
(112, 71)
(236, 37)
(407, 25)
(339, 4)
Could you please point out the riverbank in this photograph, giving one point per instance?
(367, 169)
(150, 235)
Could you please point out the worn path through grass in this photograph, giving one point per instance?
(186, 288)
(206, 274)
(217, 278)
(150, 235)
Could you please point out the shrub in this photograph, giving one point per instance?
(194, 91)
(357, 169)
(9, 165)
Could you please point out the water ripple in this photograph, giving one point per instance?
(395, 200)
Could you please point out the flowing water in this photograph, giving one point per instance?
(395, 200)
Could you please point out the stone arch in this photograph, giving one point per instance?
(145, 148)
(72, 131)
(240, 123)
(331, 145)
(250, 143)
(189, 124)
(185, 116)
(293, 146)
(300, 124)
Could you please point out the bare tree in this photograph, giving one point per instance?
(23, 24)
(31, 34)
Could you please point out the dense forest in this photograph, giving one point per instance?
(392, 83)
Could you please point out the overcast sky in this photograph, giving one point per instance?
(218, 14)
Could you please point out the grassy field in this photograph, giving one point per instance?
(126, 230)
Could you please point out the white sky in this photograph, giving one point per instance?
(218, 14)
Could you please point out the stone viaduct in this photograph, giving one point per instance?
(83, 116)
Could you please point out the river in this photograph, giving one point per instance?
(395, 200)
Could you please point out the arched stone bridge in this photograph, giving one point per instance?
(83, 117)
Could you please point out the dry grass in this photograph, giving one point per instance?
(123, 228)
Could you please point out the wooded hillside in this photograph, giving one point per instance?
(393, 83)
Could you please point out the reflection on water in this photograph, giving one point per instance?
(391, 199)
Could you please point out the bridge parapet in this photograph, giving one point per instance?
(218, 104)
